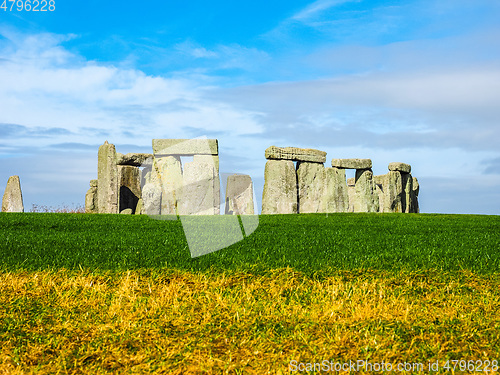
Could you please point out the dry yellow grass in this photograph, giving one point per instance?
(186, 323)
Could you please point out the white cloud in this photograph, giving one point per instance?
(70, 93)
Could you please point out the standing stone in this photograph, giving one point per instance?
(239, 195)
(351, 194)
(379, 182)
(336, 196)
(139, 210)
(13, 197)
(91, 206)
(407, 182)
(414, 196)
(311, 180)
(213, 160)
(393, 192)
(151, 193)
(366, 199)
(280, 188)
(107, 176)
(129, 182)
(198, 189)
(169, 170)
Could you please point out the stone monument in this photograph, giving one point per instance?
(13, 198)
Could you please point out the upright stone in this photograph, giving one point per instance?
(107, 176)
(139, 209)
(379, 182)
(280, 188)
(13, 197)
(239, 195)
(198, 189)
(336, 196)
(151, 193)
(129, 182)
(366, 199)
(213, 160)
(311, 180)
(414, 196)
(407, 182)
(351, 193)
(169, 170)
(91, 206)
(393, 192)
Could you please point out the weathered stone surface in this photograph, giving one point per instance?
(129, 183)
(295, 154)
(351, 194)
(366, 199)
(311, 181)
(13, 197)
(213, 160)
(407, 182)
(414, 195)
(416, 186)
(198, 190)
(239, 195)
(379, 179)
(208, 159)
(91, 206)
(336, 197)
(127, 211)
(351, 181)
(379, 182)
(185, 147)
(139, 210)
(400, 167)
(151, 193)
(134, 159)
(280, 188)
(393, 192)
(107, 176)
(352, 163)
(170, 172)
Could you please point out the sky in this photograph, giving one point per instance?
(414, 81)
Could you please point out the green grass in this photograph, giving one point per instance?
(88, 294)
(312, 244)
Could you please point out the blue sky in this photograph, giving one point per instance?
(411, 81)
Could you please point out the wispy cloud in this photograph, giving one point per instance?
(316, 8)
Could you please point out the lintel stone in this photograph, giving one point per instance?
(134, 159)
(352, 163)
(295, 154)
(400, 167)
(186, 147)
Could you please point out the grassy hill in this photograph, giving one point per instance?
(312, 244)
(87, 294)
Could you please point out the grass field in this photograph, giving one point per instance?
(120, 294)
